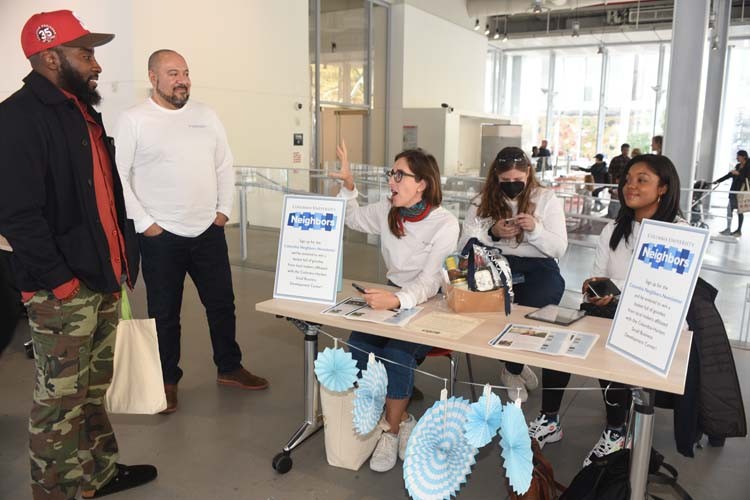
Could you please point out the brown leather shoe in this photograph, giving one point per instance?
(243, 379)
(170, 390)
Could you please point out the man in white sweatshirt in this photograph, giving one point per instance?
(177, 177)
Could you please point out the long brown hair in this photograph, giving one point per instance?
(493, 203)
(425, 167)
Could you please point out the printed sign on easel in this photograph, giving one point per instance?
(308, 266)
(657, 293)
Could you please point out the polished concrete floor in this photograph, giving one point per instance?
(220, 442)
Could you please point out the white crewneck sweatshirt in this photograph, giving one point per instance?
(414, 261)
(175, 167)
(548, 239)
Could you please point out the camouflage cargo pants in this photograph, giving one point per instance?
(71, 440)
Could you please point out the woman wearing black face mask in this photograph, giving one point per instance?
(527, 222)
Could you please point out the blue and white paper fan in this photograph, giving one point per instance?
(369, 397)
(483, 419)
(516, 448)
(438, 456)
(336, 369)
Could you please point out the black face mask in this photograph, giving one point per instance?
(512, 189)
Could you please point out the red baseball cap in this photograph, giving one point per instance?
(61, 27)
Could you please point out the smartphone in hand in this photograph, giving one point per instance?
(359, 288)
(602, 288)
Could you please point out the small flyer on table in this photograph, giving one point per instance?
(657, 293)
(545, 341)
(308, 263)
(446, 325)
(357, 309)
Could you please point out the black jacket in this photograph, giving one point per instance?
(598, 172)
(48, 210)
(712, 402)
(737, 180)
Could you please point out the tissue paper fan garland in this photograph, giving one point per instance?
(483, 419)
(369, 397)
(516, 448)
(336, 369)
(438, 456)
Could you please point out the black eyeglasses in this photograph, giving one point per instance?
(398, 175)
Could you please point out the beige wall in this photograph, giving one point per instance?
(248, 60)
(443, 62)
(103, 16)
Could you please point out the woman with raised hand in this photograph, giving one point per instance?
(416, 235)
(527, 222)
(649, 188)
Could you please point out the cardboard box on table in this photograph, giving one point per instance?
(464, 301)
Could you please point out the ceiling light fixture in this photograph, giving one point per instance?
(536, 6)
(476, 25)
(505, 31)
(487, 29)
(576, 29)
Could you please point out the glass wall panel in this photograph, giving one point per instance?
(631, 97)
(735, 129)
(576, 104)
(523, 93)
(492, 81)
(632, 111)
(343, 54)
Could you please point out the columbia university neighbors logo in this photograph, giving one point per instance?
(670, 258)
(312, 220)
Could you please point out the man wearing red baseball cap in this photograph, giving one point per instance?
(73, 247)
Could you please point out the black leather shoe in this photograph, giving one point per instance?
(716, 442)
(128, 476)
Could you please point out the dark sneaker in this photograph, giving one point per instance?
(737, 233)
(127, 476)
(726, 232)
(170, 390)
(243, 379)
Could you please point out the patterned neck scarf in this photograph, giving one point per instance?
(415, 213)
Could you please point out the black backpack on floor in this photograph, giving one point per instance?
(608, 478)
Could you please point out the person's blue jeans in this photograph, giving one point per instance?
(543, 284)
(165, 259)
(400, 379)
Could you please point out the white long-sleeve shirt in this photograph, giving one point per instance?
(548, 239)
(414, 261)
(175, 167)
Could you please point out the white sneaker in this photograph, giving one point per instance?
(404, 432)
(386, 452)
(529, 378)
(545, 430)
(515, 386)
(610, 441)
